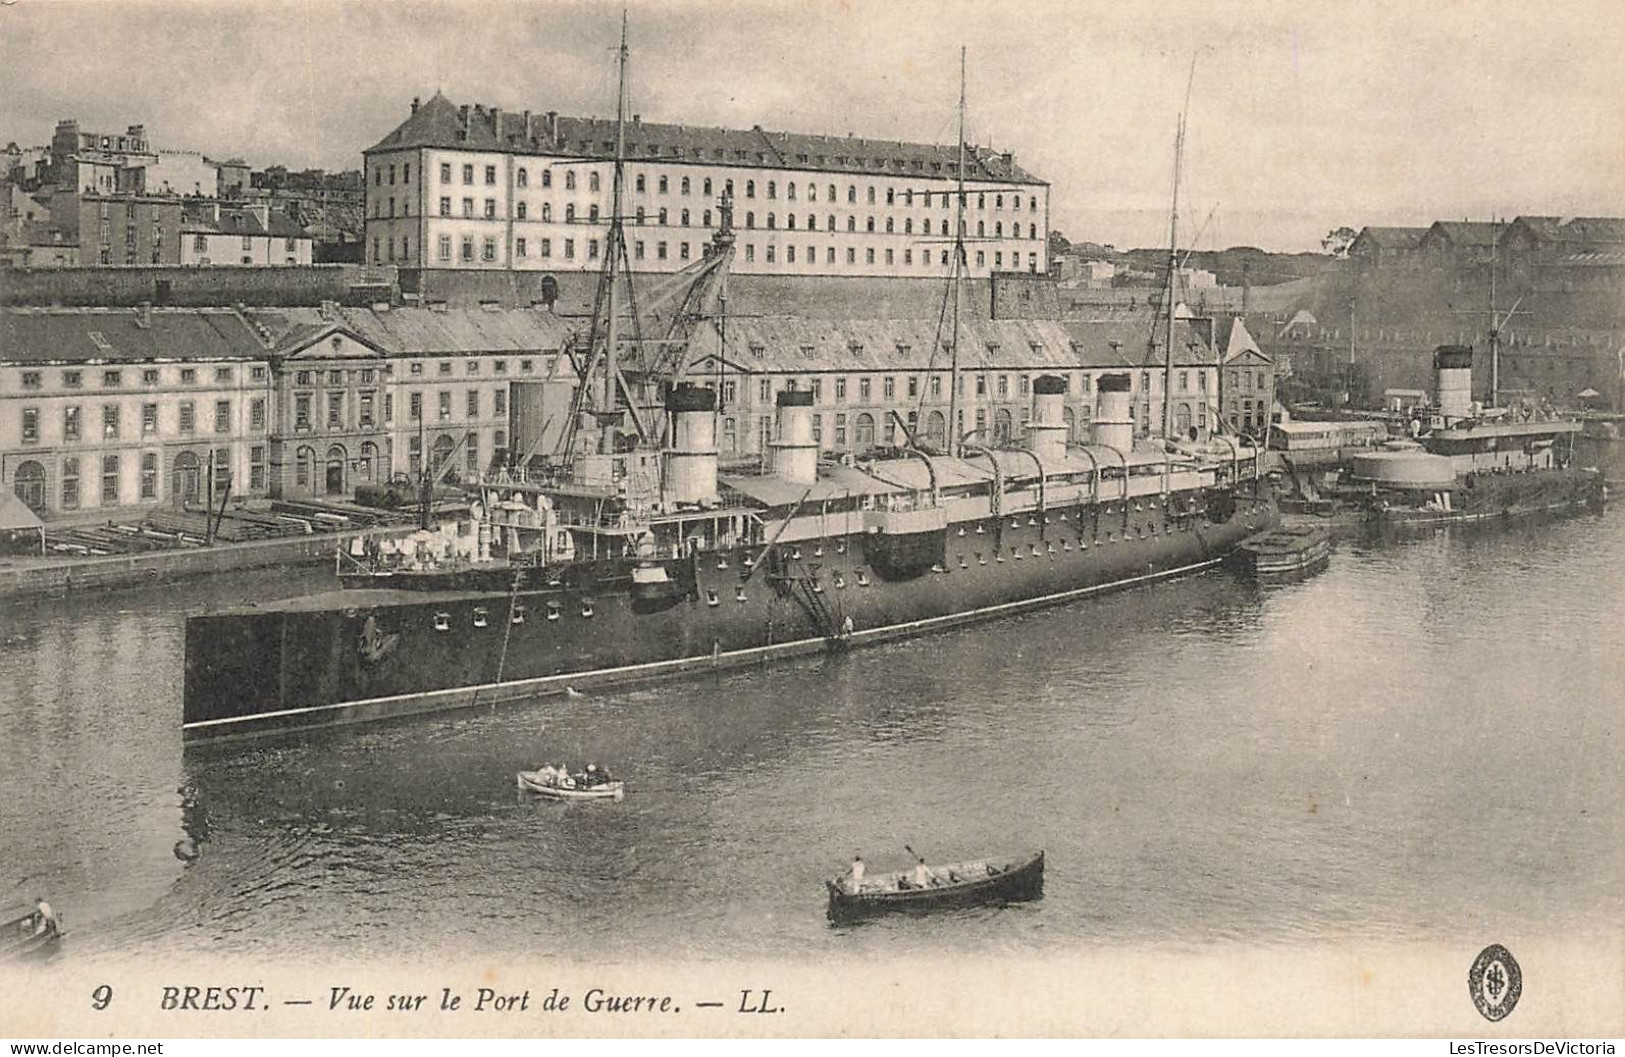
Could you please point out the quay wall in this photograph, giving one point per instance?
(189, 286)
(28, 578)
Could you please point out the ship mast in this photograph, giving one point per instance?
(606, 436)
(957, 275)
(1173, 267)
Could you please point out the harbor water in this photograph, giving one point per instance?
(1423, 741)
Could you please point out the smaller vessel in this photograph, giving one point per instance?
(1284, 553)
(549, 782)
(956, 885)
(27, 930)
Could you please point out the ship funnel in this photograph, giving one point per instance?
(795, 453)
(691, 461)
(1114, 426)
(1453, 368)
(1046, 430)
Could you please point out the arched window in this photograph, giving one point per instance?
(592, 212)
(750, 220)
(908, 225)
(925, 225)
(1032, 203)
(998, 201)
(1015, 202)
(750, 188)
(1182, 417)
(1071, 419)
(685, 218)
(547, 177)
(936, 428)
(441, 452)
(685, 185)
(706, 218)
(981, 201)
(864, 431)
(790, 221)
(832, 222)
(592, 181)
(812, 192)
(1032, 231)
(869, 224)
(662, 214)
(888, 225)
(547, 211)
(998, 229)
(524, 177)
(705, 188)
(641, 183)
(851, 192)
(1001, 427)
(851, 223)
(772, 189)
(569, 212)
(812, 222)
(569, 179)
(832, 197)
(641, 215)
(790, 191)
(28, 482)
(871, 194)
(981, 229)
(770, 222)
(520, 210)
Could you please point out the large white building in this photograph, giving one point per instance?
(460, 187)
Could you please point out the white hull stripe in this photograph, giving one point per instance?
(792, 646)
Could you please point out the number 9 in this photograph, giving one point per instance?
(101, 997)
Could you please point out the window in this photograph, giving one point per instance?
(499, 401)
(468, 207)
(524, 177)
(569, 249)
(488, 250)
(256, 413)
(547, 177)
(415, 407)
(490, 208)
(30, 425)
(72, 380)
(445, 172)
(592, 249)
(682, 251)
(31, 380)
(70, 423)
(149, 475)
(519, 248)
(547, 247)
(569, 180)
(660, 250)
(445, 247)
(473, 403)
(468, 248)
(490, 174)
(445, 404)
(109, 479)
(592, 181)
(70, 484)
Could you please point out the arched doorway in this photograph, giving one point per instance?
(1182, 418)
(863, 432)
(28, 482)
(186, 483)
(936, 429)
(1001, 428)
(1070, 417)
(335, 470)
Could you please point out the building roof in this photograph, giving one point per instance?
(242, 222)
(799, 345)
(419, 331)
(1392, 238)
(1467, 232)
(442, 123)
(1233, 337)
(115, 335)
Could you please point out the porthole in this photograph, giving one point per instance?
(482, 618)
(442, 621)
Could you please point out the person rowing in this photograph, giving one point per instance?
(855, 874)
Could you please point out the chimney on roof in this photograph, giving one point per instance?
(552, 125)
(526, 132)
(1009, 159)
(416, 102)
(496, 122)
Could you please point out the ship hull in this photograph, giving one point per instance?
(359, 656)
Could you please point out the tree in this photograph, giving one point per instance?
(1058, 244)
(1337, 242)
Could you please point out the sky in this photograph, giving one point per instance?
(1303, 116)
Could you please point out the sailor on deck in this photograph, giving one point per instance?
(857, 873)
(922, 874)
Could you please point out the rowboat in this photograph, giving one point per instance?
(546, 785)
(1283, 553)
(21, 936)
(955, 885)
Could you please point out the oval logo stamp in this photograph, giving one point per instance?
(1495, 982)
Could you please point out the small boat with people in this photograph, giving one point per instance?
(922, 888)
(558, 783)
(28, 930)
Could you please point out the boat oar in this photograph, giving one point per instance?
(918, 858)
